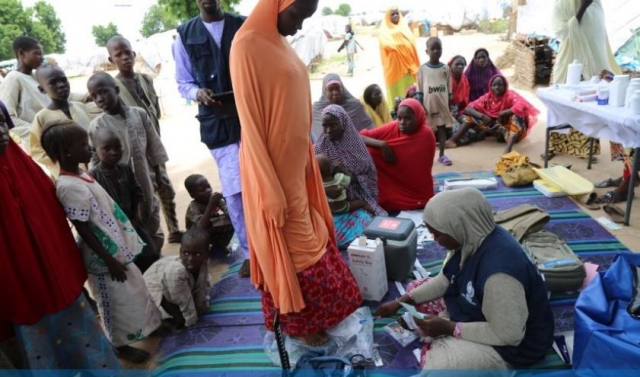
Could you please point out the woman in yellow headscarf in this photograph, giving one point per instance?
(293, 255)
(398, 53)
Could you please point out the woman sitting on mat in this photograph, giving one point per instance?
(479, 73)
(403, 152)
(501, 112)
(459, 86)
(375, 105)
(497, 311)
(334, 93)
(344, 147)
(398, 52)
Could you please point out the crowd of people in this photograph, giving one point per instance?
(311, 175)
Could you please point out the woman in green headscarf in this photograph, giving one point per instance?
(497, 311)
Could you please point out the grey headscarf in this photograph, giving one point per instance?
(463, 214)
(351, 104)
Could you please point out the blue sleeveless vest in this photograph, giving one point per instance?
(210, 65)
(501, 253)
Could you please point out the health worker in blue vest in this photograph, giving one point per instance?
(201, 51)
(497, 310)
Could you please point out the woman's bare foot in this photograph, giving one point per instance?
(313, 340)
(133, 355)
(245, 270)
(450, 145)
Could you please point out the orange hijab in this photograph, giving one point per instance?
(288, 220)
(397, 49)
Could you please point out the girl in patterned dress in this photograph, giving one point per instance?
(108, 242)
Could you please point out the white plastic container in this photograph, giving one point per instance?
(635, 103)
(618, 90)
(631, 89)
(574, 73)
(603, 95)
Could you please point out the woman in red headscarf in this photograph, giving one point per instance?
(501, 112)
(403, 152)
(459, 85)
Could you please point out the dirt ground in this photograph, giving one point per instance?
(180, 130)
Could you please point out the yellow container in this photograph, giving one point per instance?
(566, 180)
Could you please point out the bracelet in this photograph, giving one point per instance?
(457, 331)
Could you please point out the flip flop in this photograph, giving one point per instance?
(615, 213)
(444, 160)
(606, 183)
(589, 202)
(610, 198)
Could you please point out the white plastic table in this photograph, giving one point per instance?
(616, 124)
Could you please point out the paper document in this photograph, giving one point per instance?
(415, 216)
(412, 309)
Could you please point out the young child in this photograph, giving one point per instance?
(434, 80)
(53, 82)
(108, 242)
(136, 89)
(179, 285)
(352, 45)
(208, 211)
(335, 187)
(142, 147)
(119, 181)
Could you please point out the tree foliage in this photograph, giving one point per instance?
(326, 11)
(343, 10)
(156, 20)
(102, 34)
(183, 10)
(40, 22)
(47, 16)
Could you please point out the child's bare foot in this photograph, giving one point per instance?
(450, 145)
(245, 270)
(313, 340)
(133, 355)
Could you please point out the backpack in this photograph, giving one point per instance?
(522, 220)
(561, 269)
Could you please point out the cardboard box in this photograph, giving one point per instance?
(367, 264)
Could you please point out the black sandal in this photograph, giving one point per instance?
(611, 197)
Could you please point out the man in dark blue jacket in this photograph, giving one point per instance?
(201, 51)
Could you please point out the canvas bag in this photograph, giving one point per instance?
(522, 220)
(515, 169)
(562, 270)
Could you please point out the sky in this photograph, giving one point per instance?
(79, 16)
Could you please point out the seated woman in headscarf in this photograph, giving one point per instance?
(342, 144)
(479, 73)
(398, 52)
(459, 86)
(334, 92)
(375, 105)
(501, 112)
(497, 311)
(403, 152)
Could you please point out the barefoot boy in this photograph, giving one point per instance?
(179, 285)
(53, 82)
(142, 147)
(136, 89)
(208, 211)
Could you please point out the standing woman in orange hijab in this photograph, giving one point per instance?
(398, 53)
(293, 255)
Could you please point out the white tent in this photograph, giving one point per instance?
(623, 17)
